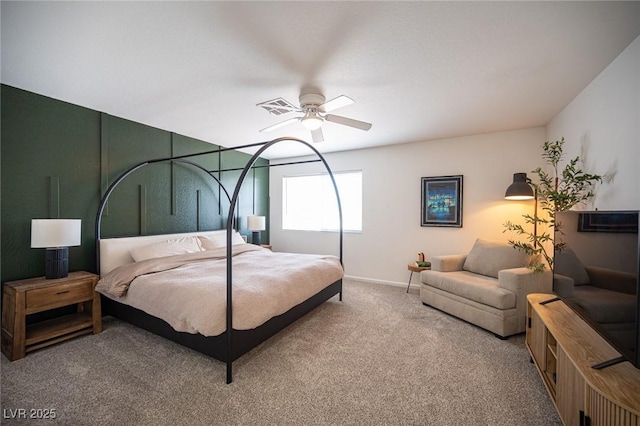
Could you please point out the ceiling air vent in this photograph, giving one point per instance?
(277, 106)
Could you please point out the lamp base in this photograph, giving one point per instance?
(56, 263)
(255, 238)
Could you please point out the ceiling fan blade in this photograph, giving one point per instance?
(280, 124)
(335, 103)
(348, 121)
(317, 135)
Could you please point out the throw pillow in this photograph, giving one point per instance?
(219, 239)
(490, 257)
(166, 248)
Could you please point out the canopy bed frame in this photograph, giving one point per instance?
(232, 343)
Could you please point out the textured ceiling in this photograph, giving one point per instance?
(416, 70)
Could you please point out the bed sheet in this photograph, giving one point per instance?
(189, 291)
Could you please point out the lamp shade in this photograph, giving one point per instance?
(520, 189)
(256, 223)
(48, 233)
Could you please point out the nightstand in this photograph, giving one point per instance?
(26, 297)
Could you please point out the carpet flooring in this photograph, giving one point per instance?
(380, 357)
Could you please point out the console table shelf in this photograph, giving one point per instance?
(564, 349)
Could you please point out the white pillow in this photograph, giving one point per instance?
(166, 248)
(219, 240)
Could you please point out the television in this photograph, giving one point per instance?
(595, 272)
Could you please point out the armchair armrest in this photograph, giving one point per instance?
(563, 285)
(523, 281)
(448, 263)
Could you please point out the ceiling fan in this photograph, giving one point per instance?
(314, 112)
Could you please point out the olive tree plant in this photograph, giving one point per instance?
(557, 190)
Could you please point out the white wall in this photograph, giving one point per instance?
(392, 235)
(602, 126)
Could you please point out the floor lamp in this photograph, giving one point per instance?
(521, 189)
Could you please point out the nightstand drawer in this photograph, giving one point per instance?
(59, 295)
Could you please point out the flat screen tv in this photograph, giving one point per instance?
(595, 272)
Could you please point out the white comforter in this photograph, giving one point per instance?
(189, 291)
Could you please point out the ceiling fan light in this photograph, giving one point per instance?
(312, 121)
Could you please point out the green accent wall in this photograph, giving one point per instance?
(58, 159)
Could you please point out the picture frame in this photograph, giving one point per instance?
(441, 201)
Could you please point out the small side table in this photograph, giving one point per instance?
(25, 297)
(415, 268)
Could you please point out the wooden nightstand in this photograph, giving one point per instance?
(25, 297)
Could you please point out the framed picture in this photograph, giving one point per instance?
(441, 203)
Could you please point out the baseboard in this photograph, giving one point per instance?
(383, 282)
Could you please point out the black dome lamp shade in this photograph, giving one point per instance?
(520, 189)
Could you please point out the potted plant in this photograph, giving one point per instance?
(559, 190)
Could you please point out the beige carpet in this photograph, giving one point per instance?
(378, 358)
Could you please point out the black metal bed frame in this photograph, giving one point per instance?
(230, 345)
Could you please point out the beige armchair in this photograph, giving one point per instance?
(487, 287)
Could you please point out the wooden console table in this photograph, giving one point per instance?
(564, 348)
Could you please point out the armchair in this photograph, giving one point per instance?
(487, 287)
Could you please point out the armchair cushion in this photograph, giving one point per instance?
(490, 257)
(479, 288)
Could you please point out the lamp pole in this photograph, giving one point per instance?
(535, 215)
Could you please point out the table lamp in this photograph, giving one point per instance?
(256, 224)
(56, 235)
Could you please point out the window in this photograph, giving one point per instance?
(309, 202)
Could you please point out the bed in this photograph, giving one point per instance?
(209, 290)
(181, 280)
